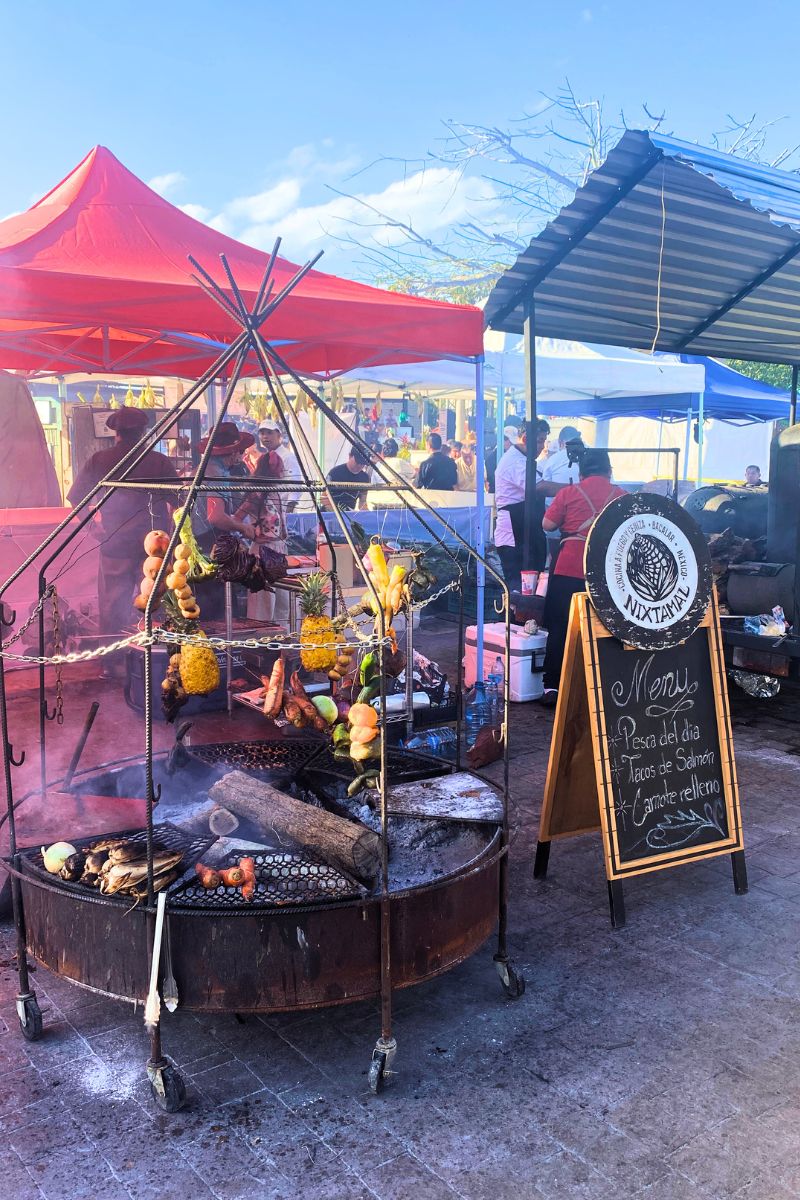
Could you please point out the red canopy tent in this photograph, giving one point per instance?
(95, 277)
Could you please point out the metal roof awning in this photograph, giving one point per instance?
(667, 246)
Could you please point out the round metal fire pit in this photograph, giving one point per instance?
(268, 957)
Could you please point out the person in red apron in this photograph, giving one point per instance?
(573, 512)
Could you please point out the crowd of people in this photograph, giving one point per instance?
(572, 486)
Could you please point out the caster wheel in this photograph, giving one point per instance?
(30, 1018)
(168, 1088)
(513, 982)
(377, 1072)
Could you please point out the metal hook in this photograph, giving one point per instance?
(12, 617)
(49, 716)
(15, 762)
(502, 607)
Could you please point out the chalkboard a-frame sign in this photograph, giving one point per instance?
(642, 744)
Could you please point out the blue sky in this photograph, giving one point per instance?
(247, 111)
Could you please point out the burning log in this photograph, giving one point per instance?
(349, 847)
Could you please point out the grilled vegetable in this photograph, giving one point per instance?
(292, 711)
(326, 708)
(208, 877)
(233, 876)
(56, 855)
(248, 866)
(73, 867)
(131, 877)
(273, 698)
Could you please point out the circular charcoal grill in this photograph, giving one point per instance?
(309, 938)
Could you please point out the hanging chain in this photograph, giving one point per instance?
(56, 654)
(25, 626)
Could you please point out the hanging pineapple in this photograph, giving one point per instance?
(317, 627)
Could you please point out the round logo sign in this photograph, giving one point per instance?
(648, 571)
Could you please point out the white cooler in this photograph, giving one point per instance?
(527, 658)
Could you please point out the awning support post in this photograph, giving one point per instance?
(687, 444)
(700, 436)
(793, 400)
(529, 336)
(480, 509)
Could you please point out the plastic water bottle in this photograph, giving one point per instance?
(433, 741)
(477, 712)
(495, 691)
(499, 671)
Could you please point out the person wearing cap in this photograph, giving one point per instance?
(125, 518)
(509, 495)
(352, 471)
(270, 439)
(562, 467)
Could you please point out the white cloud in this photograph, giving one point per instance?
(586, 15)
(268, 205)
(428, 200)
(198, 211)
(164, 184)
(295, 206)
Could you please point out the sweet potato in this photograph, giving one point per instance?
(274, 696)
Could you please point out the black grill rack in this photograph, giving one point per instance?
(282, 877)
(165, 836)
(258, 758)
(402, 766)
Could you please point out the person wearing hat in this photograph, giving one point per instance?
(270, 440)
(125, 518)
(509, 495)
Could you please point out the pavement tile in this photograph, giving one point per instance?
(404, 1177)
(230, 1081)
(660, 1061)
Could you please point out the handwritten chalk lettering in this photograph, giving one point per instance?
(663, 747)
(690, 761)
(648, 684)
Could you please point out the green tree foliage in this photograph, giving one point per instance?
(775, 374)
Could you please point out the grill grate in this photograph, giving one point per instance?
(282, 877)
(257, 757)
(402, 766)
(165, 836)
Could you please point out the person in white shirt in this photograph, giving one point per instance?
(270, 437)
(558, 469)
(509, 495)
(390, 452)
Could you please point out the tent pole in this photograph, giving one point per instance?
(793, 401)
(687, 442)
(480, 507)
(529, 334)
(700, 422)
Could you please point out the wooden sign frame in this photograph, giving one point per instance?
(579, 796)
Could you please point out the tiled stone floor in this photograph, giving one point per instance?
(660, 1061)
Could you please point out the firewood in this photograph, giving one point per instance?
(346, 845)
